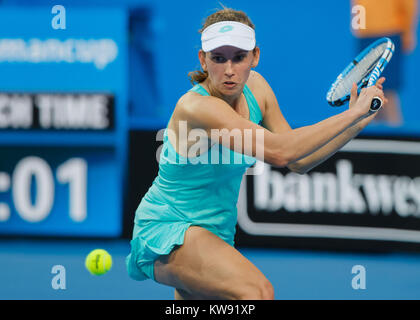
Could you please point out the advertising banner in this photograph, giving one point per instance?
(63, 116)
(368, 191)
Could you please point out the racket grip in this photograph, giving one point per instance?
(376, 104)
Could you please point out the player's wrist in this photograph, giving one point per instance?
(358, 127)
(355, 114)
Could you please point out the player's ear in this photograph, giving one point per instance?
(256, 58)
(202, 58)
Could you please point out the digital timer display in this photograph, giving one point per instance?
(35, 173)
(50, 188)
(64, 114)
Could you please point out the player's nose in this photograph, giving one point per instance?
(229, 69)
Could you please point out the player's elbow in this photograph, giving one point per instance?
(281, 158)
(281, 150)
(289, 160)
(298, 168)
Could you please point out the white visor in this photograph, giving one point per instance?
(228, 33)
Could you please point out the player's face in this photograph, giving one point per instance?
(228, 68)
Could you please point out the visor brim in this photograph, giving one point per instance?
(238, 42)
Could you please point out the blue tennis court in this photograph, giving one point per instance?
(26, 265)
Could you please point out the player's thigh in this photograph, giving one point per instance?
(205, 266)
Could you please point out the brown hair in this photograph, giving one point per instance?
(225, 14)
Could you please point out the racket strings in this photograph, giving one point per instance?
(360, 71)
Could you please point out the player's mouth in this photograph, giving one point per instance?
(229, 84)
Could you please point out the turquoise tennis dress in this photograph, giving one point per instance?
(199, 191)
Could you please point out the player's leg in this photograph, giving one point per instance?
(206, 267)
(183, 295)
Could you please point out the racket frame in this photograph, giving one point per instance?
(371, 77)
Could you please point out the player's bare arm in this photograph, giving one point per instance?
(280, 149)
(275, 122)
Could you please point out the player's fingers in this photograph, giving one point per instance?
(369, 92)
(353, 94)
(354, 90)
(363, 91)
(373, 92)
(380, 94)
(381, 81)
(367, 95)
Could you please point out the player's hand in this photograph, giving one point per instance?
(380, 83)
(354, 101)
(364, 99)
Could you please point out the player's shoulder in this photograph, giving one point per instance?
(256, 82)
(192, 105)
(259, 88)
(192, 100)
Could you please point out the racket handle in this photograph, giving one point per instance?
(376, 104)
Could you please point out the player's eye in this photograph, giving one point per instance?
(218, 59)
(239, 58)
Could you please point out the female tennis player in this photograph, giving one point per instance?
(185, 224)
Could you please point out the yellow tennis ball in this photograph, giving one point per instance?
(98, 262)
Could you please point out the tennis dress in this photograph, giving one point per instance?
(194, 191)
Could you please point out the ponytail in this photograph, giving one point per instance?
(197, 76)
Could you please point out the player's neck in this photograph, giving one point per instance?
(232, 100)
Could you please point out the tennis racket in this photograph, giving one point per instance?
(364, 70)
